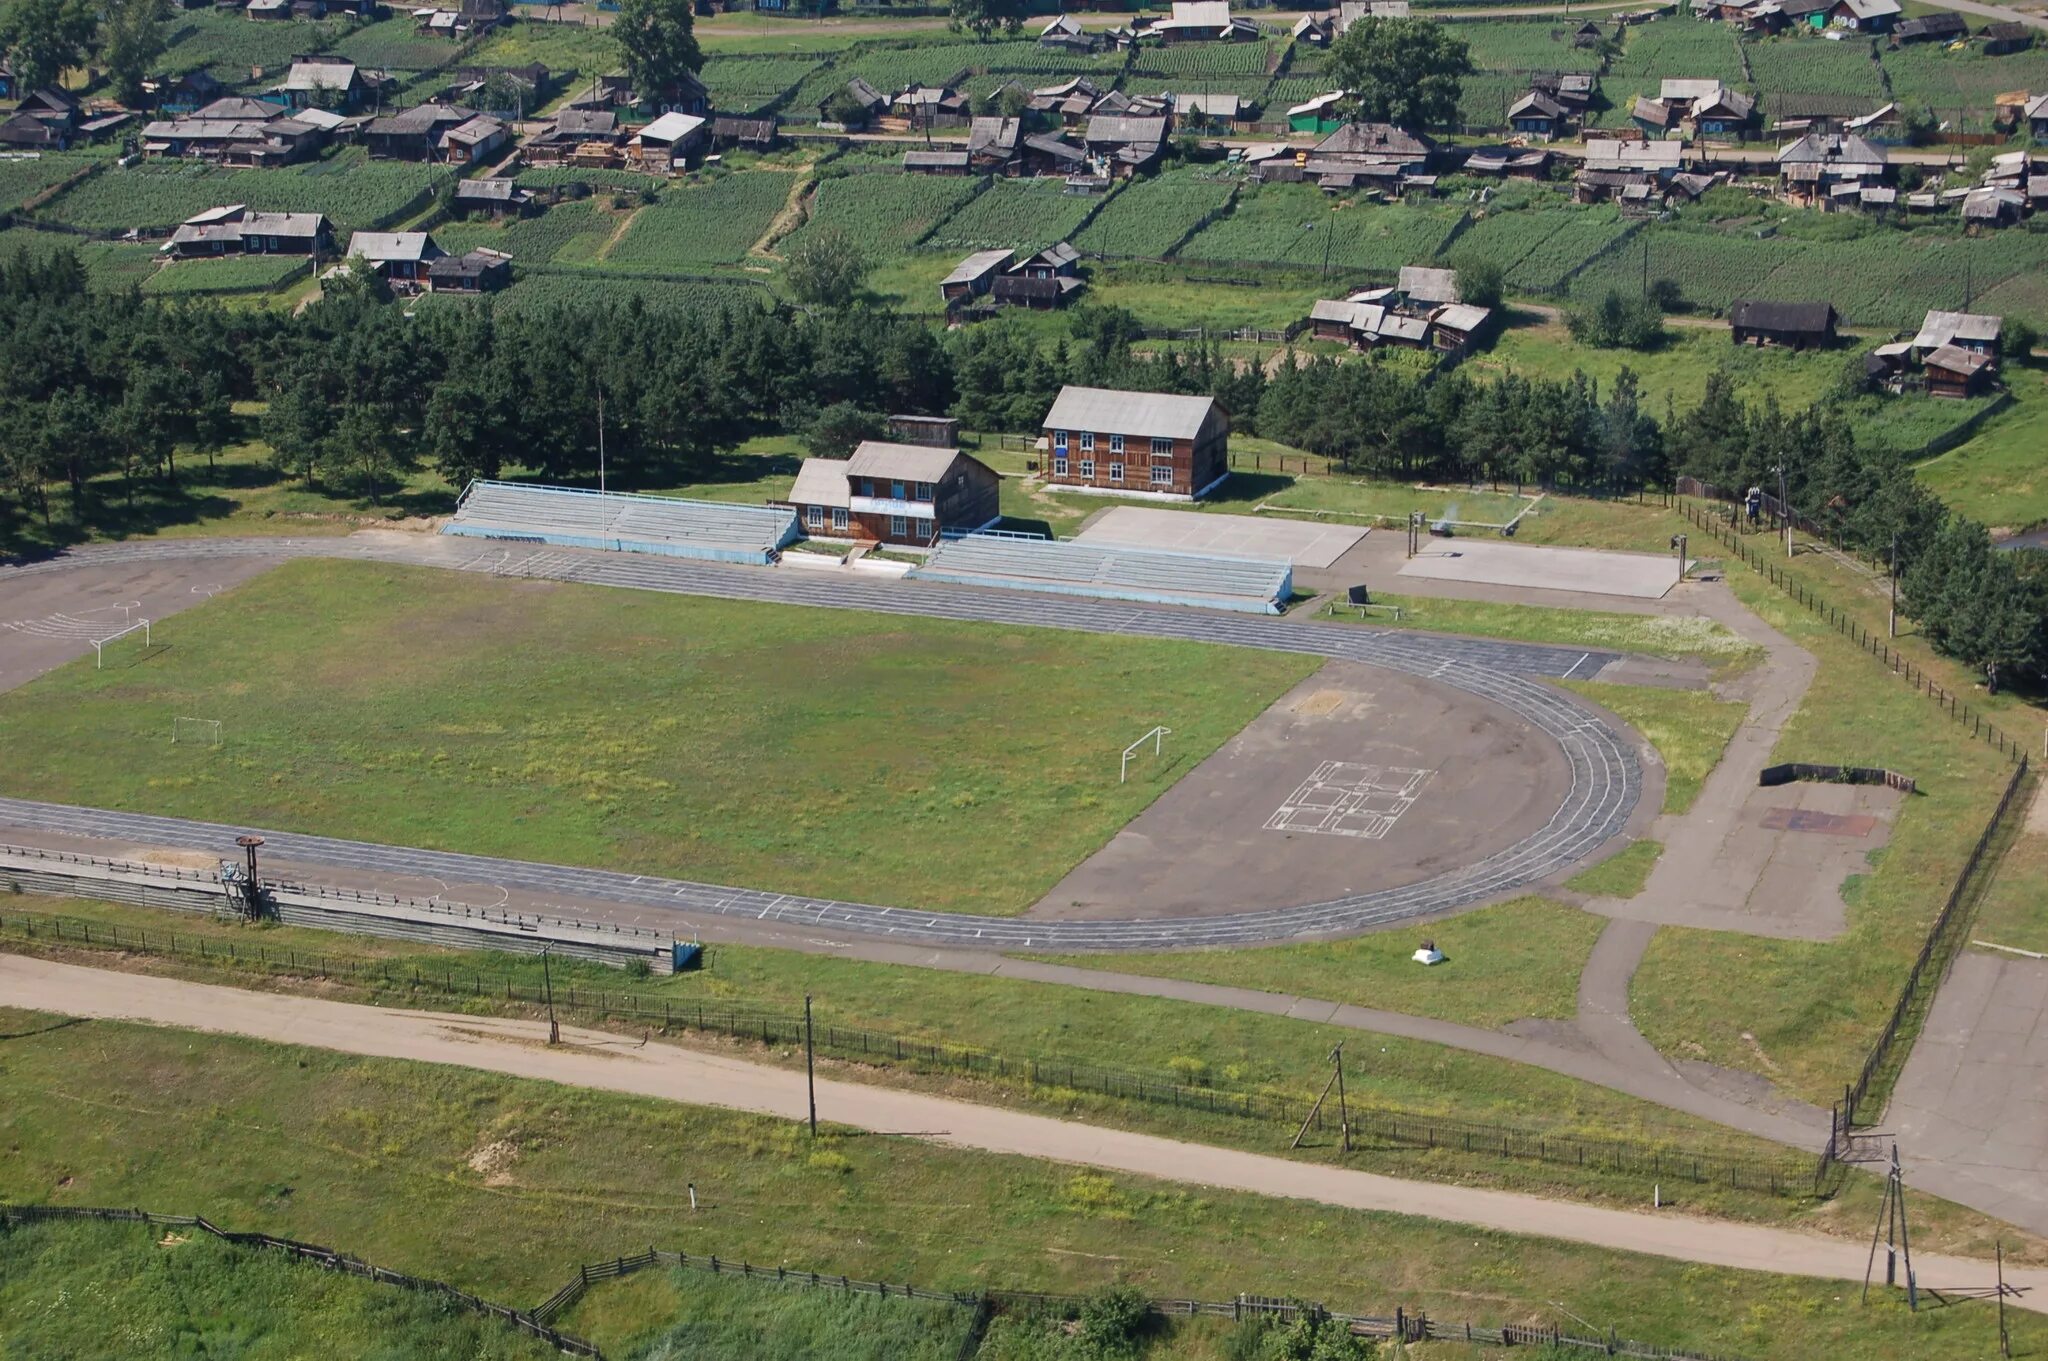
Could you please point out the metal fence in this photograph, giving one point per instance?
(326, 1258)
(1971, 719)
(736, 1019)
(1871, 1090)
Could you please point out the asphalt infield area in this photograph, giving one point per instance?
(1357, 779)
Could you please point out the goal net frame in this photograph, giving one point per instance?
(196, 731)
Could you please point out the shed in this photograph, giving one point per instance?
(1794, 324)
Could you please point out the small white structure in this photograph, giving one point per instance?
(1428, 954)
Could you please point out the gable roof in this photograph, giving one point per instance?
(1424, 284)
(1163, 414)
(394, 246)
(1832, 149)
(1871, 9)
(1612, 154)
(1108, 128)
(1945, 24)
(821, 482)
(994, 134)
(1374, 139)
(907, 462)
(1537, 104)
(1956, 359)
(977, 265)
(319, 73)
(1811, 318)
(1942, 328)
(670, 127)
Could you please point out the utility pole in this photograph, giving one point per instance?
(600, 437)
(1784, 508)
(2004, 1338)
(1891, 1224)
(1678, 542)
(1893, 622)
(1343, 1111)
(547, 974)
(810, 1066)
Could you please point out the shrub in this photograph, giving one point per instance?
(1617, 323)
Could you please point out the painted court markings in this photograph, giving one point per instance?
(1345, 798)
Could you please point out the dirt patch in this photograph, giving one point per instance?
(493, 1161)
(163, 855)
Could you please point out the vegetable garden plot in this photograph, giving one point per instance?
(396, 45)
(1285, 91)
(742, 85)
(883, 213)
(230, 46)
(1149, 217)
(1506, 237)
(1250, 89)
(353, 191)
(563, 176)
(571, 52)
(1959, 86)
(1796, 64)
(1667, 49)
(1295, 224)
(1711, 269)
(1026, 214)
(108, 264)
(231, 274)
(581, 288)
(21, 181)
(699, 225)
(1583, 234)
(1891, 278)
(1509, 45)
(1199, 60)
(1485, 98)
(530, 240)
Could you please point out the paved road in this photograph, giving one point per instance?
(1605, 785)
(607, 1062)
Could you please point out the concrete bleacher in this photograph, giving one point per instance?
(666, 525)
(1108, 572)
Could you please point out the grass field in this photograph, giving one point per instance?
(1504, 963)
(85, 1290)
(1662, 635)
(1689, 728)
(1619, 876)
(683, 1315)
(1998, 476)
(483, 725)
(2015, 910)
(252, 1133)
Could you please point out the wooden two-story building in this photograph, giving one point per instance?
(1156, 445)
(907, 494)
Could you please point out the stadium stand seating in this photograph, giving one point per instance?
(575, 518)
(1111, 573)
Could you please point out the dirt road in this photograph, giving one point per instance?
(608, 1062)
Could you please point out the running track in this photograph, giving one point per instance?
(1605, 786)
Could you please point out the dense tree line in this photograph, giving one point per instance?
(101, 392)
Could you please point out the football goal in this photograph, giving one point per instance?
(1157, 737)
(99, 645)
(204, 732)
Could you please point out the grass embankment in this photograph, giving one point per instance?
(499, 1185)
(1191, 1043)
(665, 734)
(1804, 1013)
(81, 1289)
(1621, 875)
(676, 1314)
(1660, 635)
(1689, 728)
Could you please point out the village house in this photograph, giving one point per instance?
(47, 120)
(1796, 325)
(938, 432)
(1422, 310)
(935, 163)
(1207, 110)
(1952, 371)
(595, 134)
(896, 494)
(478, 271)
(470, 18)
(1538, 115)
(1066, 34)
(1865, 16)
(1828, 168)
(1200, 21)
(929, 106)
(761, 133)
(1148, 444)
(513, 89)
(1044, 154)
(323, 83)
(1946, 26)
(2035, 113)
(1518, 163)
(1322, 114)
(416, 134)
(173, 95)
(1637, 173)
(973, 277)
(245, 132)
(1699, 108)
(992, 144)
(402, 258)
(492, 198)
(1042, 281)
(1966, 330)
(668, 142)
(234, 230)
(862, 104)
(2002, 40)
(1131, 144)
(1066, 103)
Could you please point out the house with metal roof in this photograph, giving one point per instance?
(492, 197)
(1157, 445)
(1970, 330)
(907, 495)
(1952, 371)
(400, 257)
(1200, 21)
(668, 142)
(1812, 168)
(323, 82)
(1538, 115)
(972, 277)
(482, 270)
